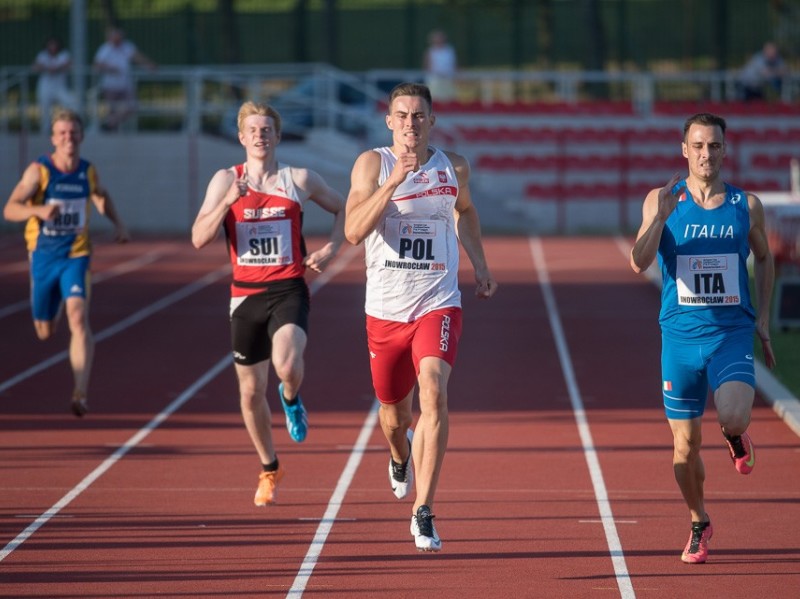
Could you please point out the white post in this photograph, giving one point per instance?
(78, 43)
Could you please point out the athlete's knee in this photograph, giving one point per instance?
(432, 392)
(734, 423)
(290, 371)
(395, 418)
(686, 447)
(44, 329)
(734, 408)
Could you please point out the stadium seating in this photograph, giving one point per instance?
(565, 153)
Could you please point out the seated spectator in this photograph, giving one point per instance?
(763, 74)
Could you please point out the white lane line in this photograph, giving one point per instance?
(123, 324)
(115, 457)
(208, 376)
(116, 271)
(589, 450)
(336, 500)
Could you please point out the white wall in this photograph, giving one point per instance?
(158, 180)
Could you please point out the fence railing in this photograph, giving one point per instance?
(206, 98)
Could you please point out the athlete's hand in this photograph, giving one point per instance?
(486, 285)
(318, 260)
(407, 162)
(766, 346)
(48, 211)
(666, 199)
(121, 235)
(237, 189)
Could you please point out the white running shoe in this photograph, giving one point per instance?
(401, 476)
(425, 536)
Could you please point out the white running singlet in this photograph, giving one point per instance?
(412, 255)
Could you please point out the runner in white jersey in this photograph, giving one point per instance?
(411, 203)
(412, 255)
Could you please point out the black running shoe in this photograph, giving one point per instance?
(425, 536)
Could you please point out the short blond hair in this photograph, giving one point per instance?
(65, 114)
(250, 108)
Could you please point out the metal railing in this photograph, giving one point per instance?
(205, 98)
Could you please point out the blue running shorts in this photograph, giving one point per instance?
(690, 369)
(53, 280)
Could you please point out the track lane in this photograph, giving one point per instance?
(516, 507)
(621, 365)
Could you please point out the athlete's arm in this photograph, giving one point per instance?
(657, 207)
(329, 200)
(223, 191)
(764, 274)
(105, 206)
(468, 227)
(366, 201)
(18, 208)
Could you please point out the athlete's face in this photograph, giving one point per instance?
(704, 148)
(258, 135)
(66, 137)
(410, 120)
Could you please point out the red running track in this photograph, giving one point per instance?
(557, 482)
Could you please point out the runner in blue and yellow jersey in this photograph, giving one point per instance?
(702, 230)
(54, 196)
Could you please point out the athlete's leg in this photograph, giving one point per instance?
(81, 343)
(45, 328)
(432, 430)
(288, 346)
(46, 299)
(734, 401)
(688, 466)
(255, 410)
(395, 419)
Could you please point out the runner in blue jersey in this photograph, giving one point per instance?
(54, 197)
(702, 230)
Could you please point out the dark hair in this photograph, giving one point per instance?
(411, 89)
(706, 119)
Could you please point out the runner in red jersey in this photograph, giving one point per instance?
(259, 204)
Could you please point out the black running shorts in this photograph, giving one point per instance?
(255, 318)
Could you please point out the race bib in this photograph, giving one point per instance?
(71, 217)
(708, 280)
(418, 245)
(267, 243)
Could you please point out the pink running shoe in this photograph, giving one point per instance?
(696, 551)
(742, 452)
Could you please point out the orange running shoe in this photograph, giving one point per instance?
(742, 452)
(267, 486)
(696, 551)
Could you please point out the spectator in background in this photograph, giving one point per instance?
(114, 61)
(52, 63)
(763, 72)
(440, 66)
